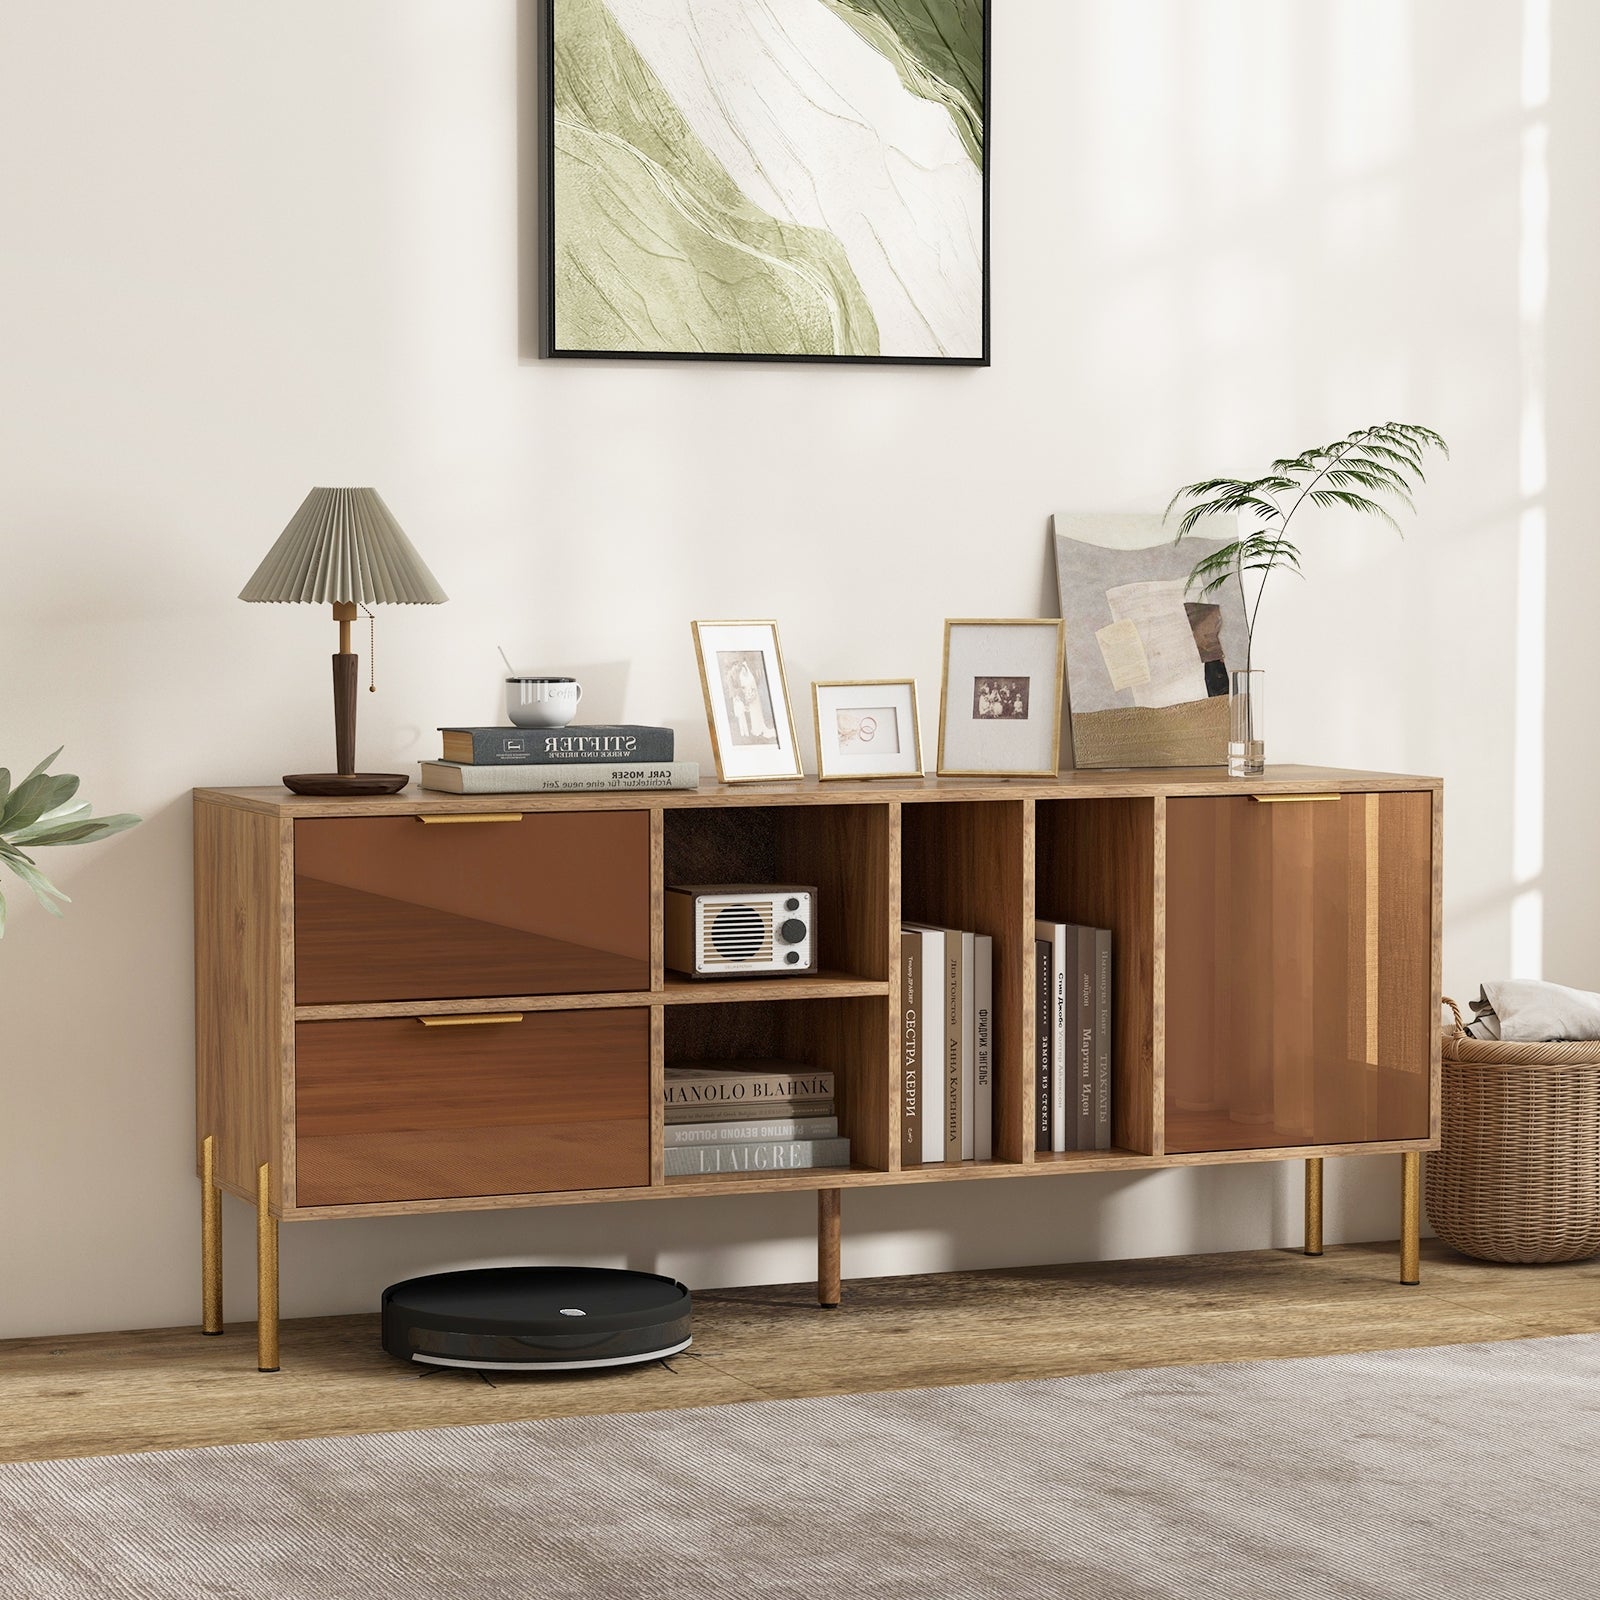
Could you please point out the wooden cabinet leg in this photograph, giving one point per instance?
(210, 1239)
(1314, 1206)
(828, 1285)
(1411, 1217)
(266, 1274)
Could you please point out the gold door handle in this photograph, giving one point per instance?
(482, 1019)
(1292, 799)
(475, 816)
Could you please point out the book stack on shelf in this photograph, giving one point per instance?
(557, 760)
(750, 1116)
(947, 1046)
(1072, 1038)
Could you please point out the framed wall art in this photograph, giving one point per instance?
(1147, 659)
(739, 180)
(747, 701)
(867, 729)
(1000, 702)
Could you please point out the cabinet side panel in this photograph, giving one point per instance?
(239, 993)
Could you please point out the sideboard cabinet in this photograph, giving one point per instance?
(431, 1002)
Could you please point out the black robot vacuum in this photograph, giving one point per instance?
(536, 1319)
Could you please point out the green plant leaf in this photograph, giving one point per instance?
(86, 830)
(37, 794)
(44, 891)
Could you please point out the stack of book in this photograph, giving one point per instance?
(947, 1045)
(1072, 1039)
(750, 1116)
(552, 760)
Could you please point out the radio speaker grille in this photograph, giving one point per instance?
(736, 933)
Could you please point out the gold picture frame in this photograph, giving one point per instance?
(988, 743)
(844, 770)
(747, 706)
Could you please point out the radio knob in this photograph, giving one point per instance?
(792, 931)
(791, 904)
(793, 958)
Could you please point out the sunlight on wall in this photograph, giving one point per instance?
(1533, 284)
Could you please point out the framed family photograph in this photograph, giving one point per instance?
(868, 729)
(747, 701)
(1000, 702)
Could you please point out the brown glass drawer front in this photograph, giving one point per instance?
(389, 1109)
(1299, 971)
(394, 908)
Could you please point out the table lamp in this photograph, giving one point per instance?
(343, 548)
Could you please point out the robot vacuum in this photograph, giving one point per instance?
(536, 1319)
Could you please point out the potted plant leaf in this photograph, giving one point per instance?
(41, 811)
(1356, 473)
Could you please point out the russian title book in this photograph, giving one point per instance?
(934, 1038)
(910, 1055)
(781, 1155)
(1062, 960)
(456, 778)
(557, 747)
(1043, 989)
(1102, 1038)
(983, 1048)
(748, 1130)
(1082, 1017)
(744, 1083)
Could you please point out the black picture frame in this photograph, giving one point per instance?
(550, 350)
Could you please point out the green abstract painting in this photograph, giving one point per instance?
(779, 179)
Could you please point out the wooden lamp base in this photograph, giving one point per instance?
(347, 784)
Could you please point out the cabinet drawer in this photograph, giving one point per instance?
(392, 1108)
(1299, 1000)
(396, 908)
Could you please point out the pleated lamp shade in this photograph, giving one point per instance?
(344, 546)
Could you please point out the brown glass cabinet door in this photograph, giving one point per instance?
(392, 1108)
(395, 908)
(1299, 971)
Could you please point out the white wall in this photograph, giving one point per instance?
(245, 249)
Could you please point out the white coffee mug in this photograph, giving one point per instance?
(542, 702)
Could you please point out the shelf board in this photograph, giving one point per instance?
(722, 991)
(793, 1178)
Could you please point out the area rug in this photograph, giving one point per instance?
(1466, 1471)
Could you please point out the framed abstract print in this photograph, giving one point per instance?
(804, 180)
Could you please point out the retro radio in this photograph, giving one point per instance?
(721, 930)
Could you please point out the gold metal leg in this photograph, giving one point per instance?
(210, 1239)
(828, 1285)
(1411, 1217)
(266, 1274)
(1314, 1206)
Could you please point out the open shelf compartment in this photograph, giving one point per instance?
(1097, 861)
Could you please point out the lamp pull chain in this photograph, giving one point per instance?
(372, 650)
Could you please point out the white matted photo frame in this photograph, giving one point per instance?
(747, 701)
(867, 729)
(1000, 698)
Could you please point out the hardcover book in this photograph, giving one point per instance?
(1082, 1015)
(557, 746)
(983, 1048)
(745, 1083)
(1062, 959)
(459, 778)
(691, 1111)
(910, 1038)
(1102, 1038)
(741, 1130)
(1043, 989)
(783, 1155)
(966, 1107)
(934, 1042)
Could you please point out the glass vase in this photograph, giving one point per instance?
(1247, 747)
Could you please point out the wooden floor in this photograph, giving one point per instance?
(166, 1389)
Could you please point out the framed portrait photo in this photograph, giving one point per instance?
(1000, 702)
(868, 729)
(747, 701)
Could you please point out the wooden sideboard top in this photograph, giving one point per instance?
(275, 800)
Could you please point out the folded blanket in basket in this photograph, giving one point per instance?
(1521, 1010)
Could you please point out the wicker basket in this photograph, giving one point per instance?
(1517, 1177)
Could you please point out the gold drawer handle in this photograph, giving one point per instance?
(1292, 799)
(483, 1019)
(476, 816)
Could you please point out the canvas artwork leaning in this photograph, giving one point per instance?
(1147, 659)
(803, 180)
